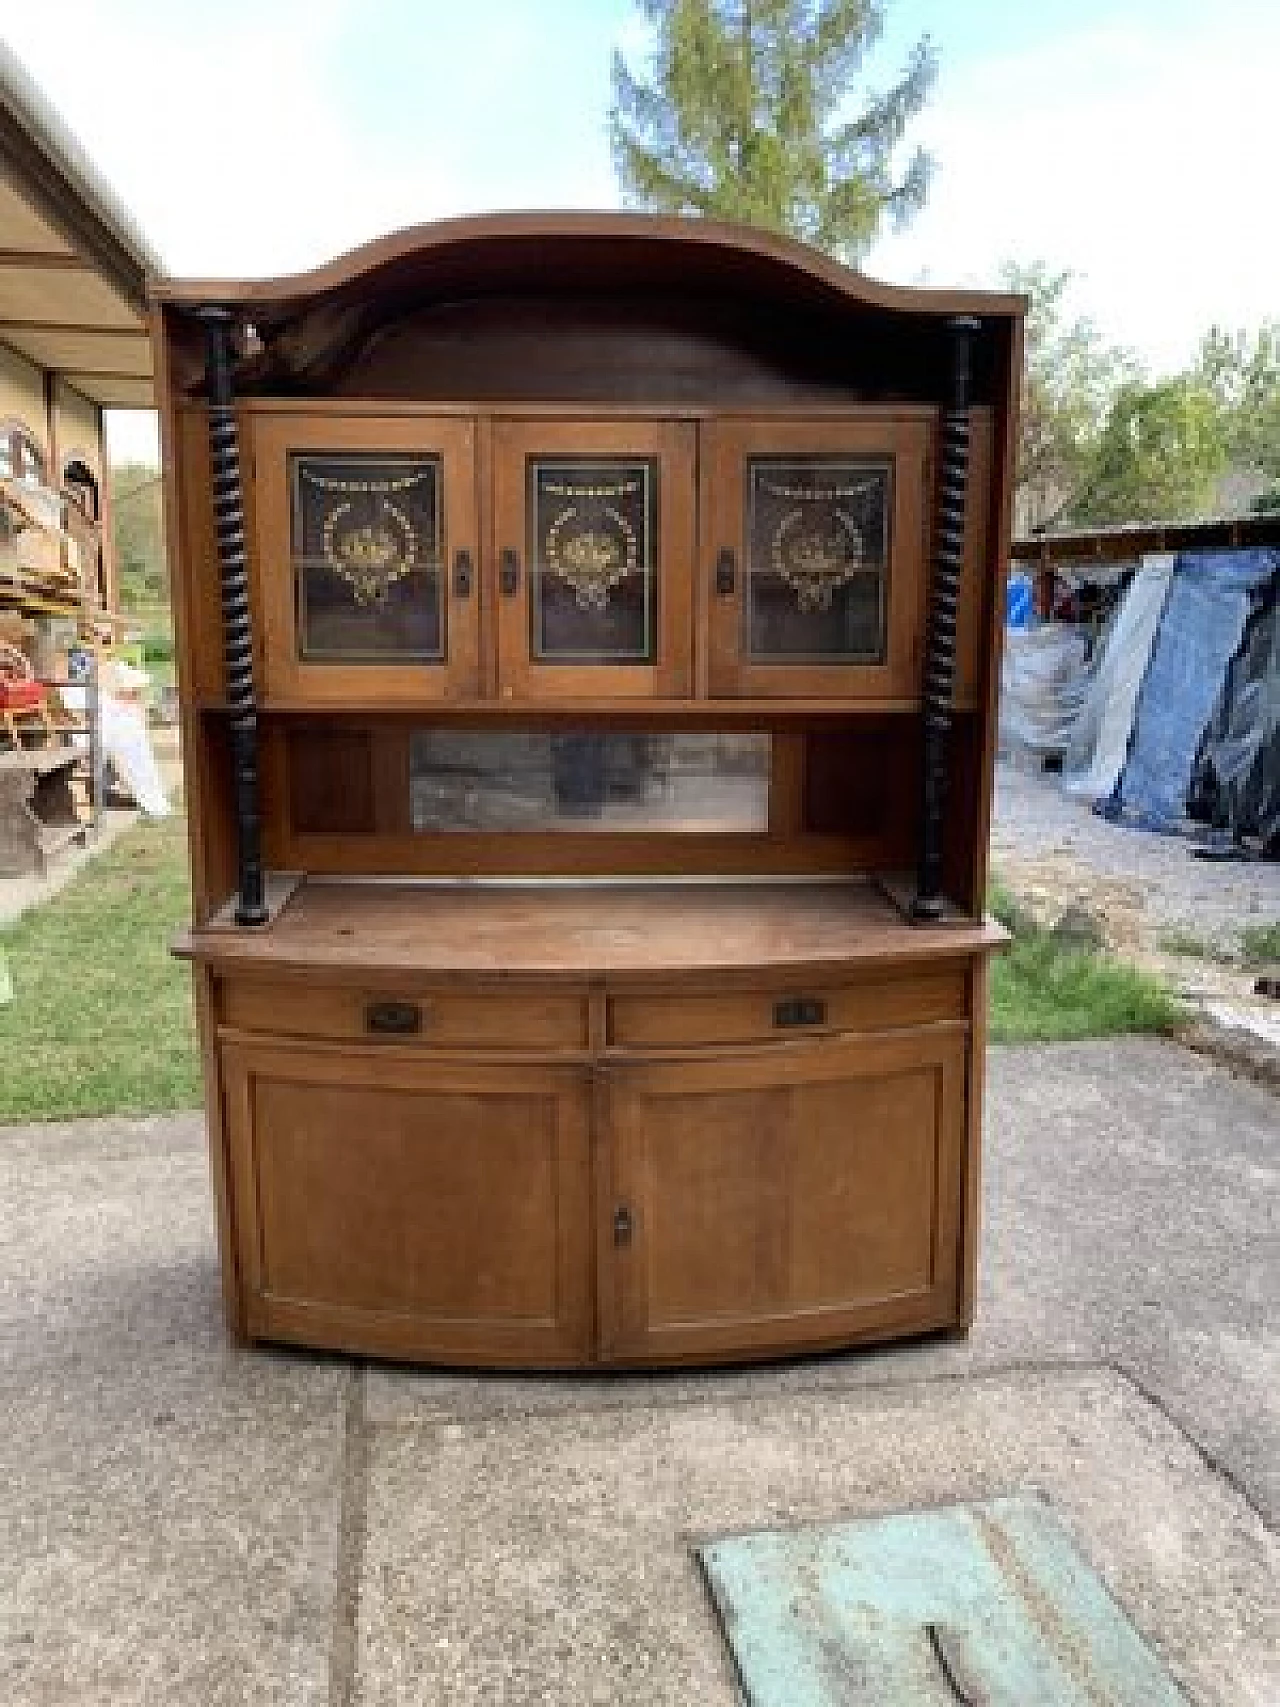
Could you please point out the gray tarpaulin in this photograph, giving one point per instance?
(1042, 686)
(1211, 596)
(1099, 738)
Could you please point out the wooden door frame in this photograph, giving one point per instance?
(566, 1341)
(673, 443)
(904, 436)
(624, 1334)
(337, 683)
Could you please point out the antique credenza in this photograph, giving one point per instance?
(588, 633)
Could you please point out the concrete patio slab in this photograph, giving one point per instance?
(169, 1506)
(548, 1559)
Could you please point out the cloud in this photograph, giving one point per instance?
(1133, 159)
(263, 136)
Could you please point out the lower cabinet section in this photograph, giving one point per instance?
(419, 1208)
(490, 1211)
(805, 1197)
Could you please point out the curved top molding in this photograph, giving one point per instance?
(564, 250)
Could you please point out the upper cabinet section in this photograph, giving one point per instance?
(582, 460)
(365, 557)
(814, 547)
(413, 558)
(595, 538)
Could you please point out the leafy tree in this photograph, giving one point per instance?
(752, 112)
(1242, 373)
(1069, 379)
(1160, 456)
(137, 526)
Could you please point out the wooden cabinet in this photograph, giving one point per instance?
(412, 1207)
(803, 1196)
(589, 670)
(366, 557)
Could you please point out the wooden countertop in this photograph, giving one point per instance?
(627, 930)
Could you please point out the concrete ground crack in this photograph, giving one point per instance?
(1211, 1461)
(344, 1648)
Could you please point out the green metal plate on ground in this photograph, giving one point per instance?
(973, 1606)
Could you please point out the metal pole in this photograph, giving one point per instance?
(944, 602)
(237, 633)
(93, 714)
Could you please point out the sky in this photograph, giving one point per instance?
(1132, 142)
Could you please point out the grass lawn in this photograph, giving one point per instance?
(101, 1021)
(1046, 991)
(101, 1018)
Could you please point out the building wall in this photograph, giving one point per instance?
(78, 432)
(77, 427)
(22, 395)
(67, 424)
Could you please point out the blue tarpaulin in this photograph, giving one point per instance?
(1019, 608)
(1210, 598)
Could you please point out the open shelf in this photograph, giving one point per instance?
(551, 930)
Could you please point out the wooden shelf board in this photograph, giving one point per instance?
(620, 929)
(531, 711)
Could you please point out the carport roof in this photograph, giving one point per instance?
(73, 265)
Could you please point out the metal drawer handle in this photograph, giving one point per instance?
(800, 1011)
(393, 1019)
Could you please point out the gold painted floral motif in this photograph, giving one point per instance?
(381, 487)
(816, 560)
(370, 556)
(592, 560)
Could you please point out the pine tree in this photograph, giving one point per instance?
(752, 111)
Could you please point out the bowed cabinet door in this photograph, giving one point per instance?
(365, 553)
(801, 1196)
(594, 533)
(428, 1208)
(813, 555)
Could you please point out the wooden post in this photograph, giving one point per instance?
(237, 632)
(940, 642)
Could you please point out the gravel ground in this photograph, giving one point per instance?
(1055, 850)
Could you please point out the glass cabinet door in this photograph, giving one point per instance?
(366, 558)
(594, 541)
(814, 554)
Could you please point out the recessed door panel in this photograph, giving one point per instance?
(390, 1205)
(769, 1201)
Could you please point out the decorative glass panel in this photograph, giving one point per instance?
(818, 545)
(593, 526)
(366, 557)
(474, 779)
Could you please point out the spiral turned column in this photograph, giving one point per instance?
(237, 631)
(944, 604)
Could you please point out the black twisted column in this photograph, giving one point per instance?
(237, 633)
(944, 602)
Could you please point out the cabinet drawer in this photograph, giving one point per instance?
(382, 1013)
(747, 1016)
